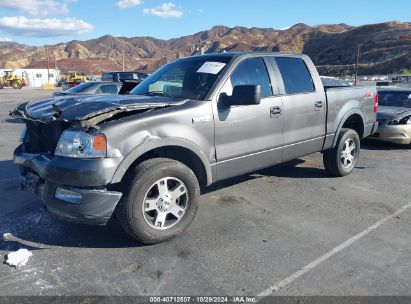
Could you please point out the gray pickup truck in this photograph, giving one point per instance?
(195, 121)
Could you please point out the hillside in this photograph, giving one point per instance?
(385, 48)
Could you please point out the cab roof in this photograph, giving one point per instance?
(241, 54)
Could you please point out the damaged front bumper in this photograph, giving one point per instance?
(72, 189)
(396, 134)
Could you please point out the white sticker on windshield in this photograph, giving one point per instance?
(210, 67)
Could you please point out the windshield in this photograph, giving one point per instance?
(394, 99)
(81, 88)
(190, 78)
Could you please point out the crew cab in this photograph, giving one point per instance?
(144, 157)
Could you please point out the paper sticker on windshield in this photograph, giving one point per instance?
(210, 67)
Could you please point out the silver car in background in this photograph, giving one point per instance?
(394, 115)
(92, 88)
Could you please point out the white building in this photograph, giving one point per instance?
(35, 77)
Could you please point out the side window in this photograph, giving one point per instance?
(108, 89)
(295, 74)
(250, 72)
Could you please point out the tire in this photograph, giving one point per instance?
(340, 161)
(1, 86)
(17, 85)
(141, 190)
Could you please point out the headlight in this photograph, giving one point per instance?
(403, 121)
(78, 144)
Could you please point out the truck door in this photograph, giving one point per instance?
(304, 107)
(248, 137)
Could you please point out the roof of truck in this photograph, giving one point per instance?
(238, 54)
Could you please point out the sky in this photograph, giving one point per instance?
(40, 22)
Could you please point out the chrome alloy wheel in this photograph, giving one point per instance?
(348, 153)
(165, 203)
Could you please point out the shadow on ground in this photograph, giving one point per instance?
(290, 169)
(373, 144)
(33, 227)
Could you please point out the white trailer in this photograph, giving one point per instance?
(36, 77)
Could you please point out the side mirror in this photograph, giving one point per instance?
(243, 95)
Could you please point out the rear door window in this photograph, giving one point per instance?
(296, 76)
(250, 72)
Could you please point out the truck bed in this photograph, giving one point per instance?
(358, 99)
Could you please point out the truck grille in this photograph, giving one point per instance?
(42, 137)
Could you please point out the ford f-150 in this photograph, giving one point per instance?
(144, 157)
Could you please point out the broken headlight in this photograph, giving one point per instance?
(78, 144)
(402, 121)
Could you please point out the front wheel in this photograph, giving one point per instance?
(160, 200)
(341, 160)
(17, 85)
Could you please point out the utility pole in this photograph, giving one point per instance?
(48, 65)
(123, 61)
(56, 70)
(356, 64)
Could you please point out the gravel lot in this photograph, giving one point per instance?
(250, 233)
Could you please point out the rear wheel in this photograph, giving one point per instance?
(160, 200)
(1, 85)
(341, 160)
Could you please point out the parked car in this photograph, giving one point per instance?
(100, 87)
(118, 76)
(65, 85)
(196, 121)
(401, 80)
(394, 115)
(333, 82)
(383, 83)
(92, 87)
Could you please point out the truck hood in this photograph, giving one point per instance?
(389, 113)
(79, 108)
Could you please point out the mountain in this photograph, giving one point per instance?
(385, 48)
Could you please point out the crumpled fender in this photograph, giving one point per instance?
(158, 143)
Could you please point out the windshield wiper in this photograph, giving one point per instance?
(156, 93)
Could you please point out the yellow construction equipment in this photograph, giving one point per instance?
(11, 80)
(74, 77)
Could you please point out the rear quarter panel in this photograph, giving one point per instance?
(343, 102)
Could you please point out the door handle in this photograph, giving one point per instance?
(275, 111)
(318, 104)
